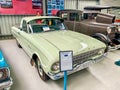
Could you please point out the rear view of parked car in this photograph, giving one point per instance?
(5, 79)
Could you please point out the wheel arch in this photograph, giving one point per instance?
(102, 38)
(34, 57)
(45, 62)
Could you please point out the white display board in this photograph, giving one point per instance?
(66, 60)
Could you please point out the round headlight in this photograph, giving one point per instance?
(119, 28)
(108, 30)
(55, 66)
(1, 74)
(100, 52)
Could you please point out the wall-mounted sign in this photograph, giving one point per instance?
(66, 60)
(37, 4)
(54, 5)
(6, 3)
(21, 7)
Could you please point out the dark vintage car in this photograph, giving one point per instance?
(5, 79)
(95, 24)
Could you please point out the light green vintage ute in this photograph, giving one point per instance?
(43, 37)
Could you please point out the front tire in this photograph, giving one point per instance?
(41, 72)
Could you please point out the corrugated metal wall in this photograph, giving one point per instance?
(7, 21)
(110, 2)
(72, 4)
(83, 3)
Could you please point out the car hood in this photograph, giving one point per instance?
(55, 41)
(2, 61)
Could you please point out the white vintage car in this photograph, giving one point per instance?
(43, 37)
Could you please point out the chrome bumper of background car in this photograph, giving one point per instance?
(112, 48)
(6, 85)
(76, 68)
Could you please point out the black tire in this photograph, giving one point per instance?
(103, 39)
(106, 50)
(40, 70)
(18, 44)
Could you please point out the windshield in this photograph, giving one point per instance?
(43, 25)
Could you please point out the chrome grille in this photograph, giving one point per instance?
(84, 56)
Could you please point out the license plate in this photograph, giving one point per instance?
(84, 65)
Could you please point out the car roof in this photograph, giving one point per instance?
(97, 7)
(76, 10)
(28, 19)
(116, 7)
(70, 10)
(91, 11)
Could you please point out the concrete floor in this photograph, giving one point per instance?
(101, 76)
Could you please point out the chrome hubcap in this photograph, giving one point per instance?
(40, 69)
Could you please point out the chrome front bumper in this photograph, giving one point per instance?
(6, 85)
(76, 68)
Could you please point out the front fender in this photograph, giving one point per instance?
(45, 62)
(105, 39)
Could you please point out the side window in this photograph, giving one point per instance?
(64, 16)
(89, 15)
(74, 17)
(24, 26)
(85, 16)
